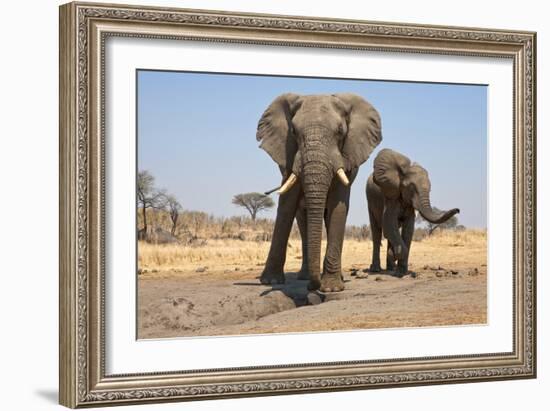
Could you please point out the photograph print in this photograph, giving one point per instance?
(276, 204)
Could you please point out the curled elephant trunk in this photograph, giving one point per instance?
(423, 205)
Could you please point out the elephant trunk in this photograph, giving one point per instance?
(318, 172)
(423, 205)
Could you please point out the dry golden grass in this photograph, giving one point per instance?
(456, 238)
(216, 253)
(450, 249)
(443, 247)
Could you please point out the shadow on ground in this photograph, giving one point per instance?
(298, 292)
(293, 288)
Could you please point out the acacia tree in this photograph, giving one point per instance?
(147, 197)
(174, 209)
(431, 227)
(253, 203)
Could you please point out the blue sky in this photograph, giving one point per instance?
(197, 136)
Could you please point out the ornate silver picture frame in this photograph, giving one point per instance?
(84, 30)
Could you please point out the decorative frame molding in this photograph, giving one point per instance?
(83, 30)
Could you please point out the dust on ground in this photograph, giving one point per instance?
(215, 290)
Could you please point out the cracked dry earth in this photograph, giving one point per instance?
(175, 304)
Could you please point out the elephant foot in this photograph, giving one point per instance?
(269, 277)
(375, 268)
(332, 283)
(303, 274)
(401, 272)
(314, 284)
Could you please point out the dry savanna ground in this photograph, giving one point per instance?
(213, 289)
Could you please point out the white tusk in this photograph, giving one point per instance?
(290, 181)
(342, 176)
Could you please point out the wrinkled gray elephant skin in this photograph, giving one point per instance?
(395, 190)
(318, 142)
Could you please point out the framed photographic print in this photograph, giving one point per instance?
(259, 204)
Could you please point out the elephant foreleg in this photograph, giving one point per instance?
(376, 234)
(286, 210)
(301, 220)
(390, 258)
(335, 221)
(407, 233)
(391, 229)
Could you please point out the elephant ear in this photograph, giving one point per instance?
(389, 168)
(275, 131)
(364, 130)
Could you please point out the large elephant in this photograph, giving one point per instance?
(395, 190)
(318, 142)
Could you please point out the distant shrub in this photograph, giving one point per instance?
(360, 233)
(420, 234)
(194, 226)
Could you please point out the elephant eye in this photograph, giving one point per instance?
(340, 128)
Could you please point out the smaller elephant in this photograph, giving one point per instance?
(395, 190)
